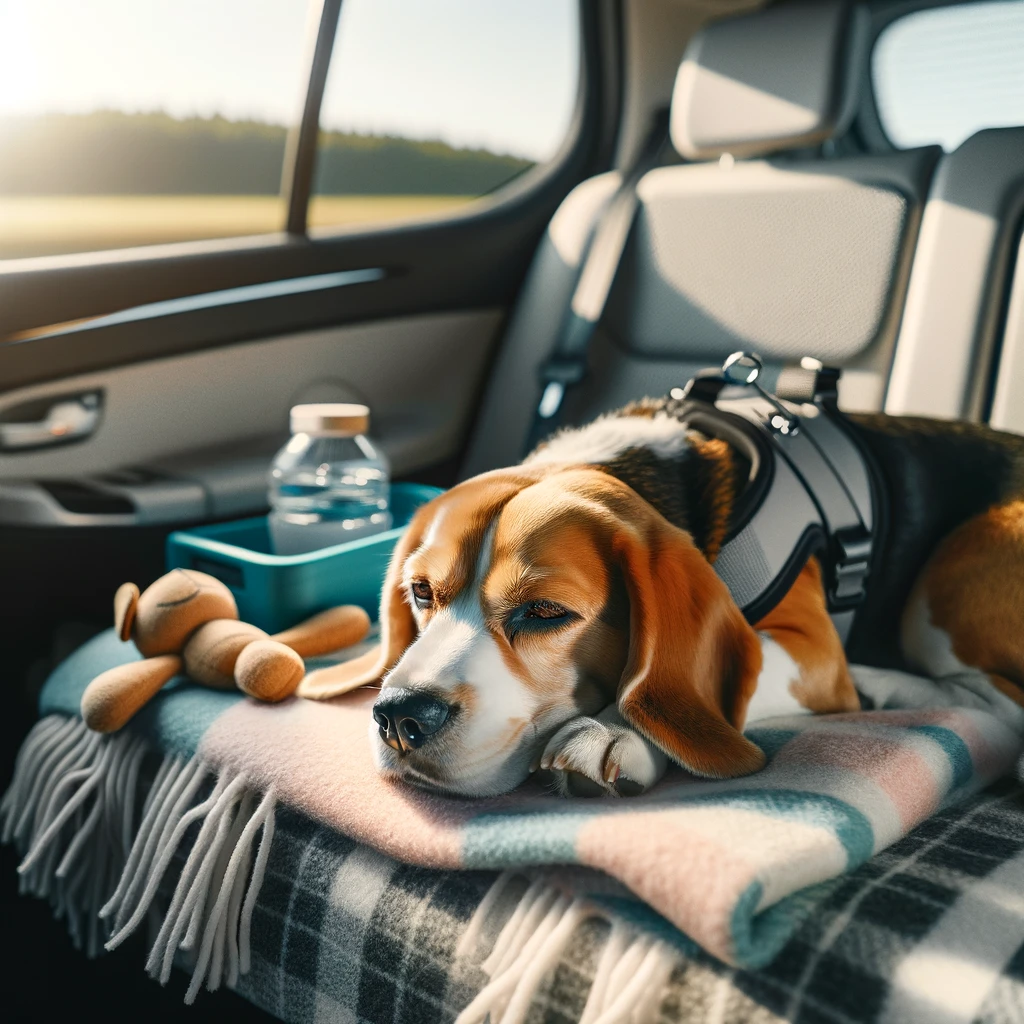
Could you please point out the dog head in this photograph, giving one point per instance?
(523, 598)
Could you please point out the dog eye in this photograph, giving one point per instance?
(544, 610)
(537, 617)
(422, 594)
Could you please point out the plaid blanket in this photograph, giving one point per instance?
(930, 930)
(737, 866)
(838, 789)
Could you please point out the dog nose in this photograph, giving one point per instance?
(407, 717)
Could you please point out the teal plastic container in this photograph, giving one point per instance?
(277, 591)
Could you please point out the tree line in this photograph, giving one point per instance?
(114, 153)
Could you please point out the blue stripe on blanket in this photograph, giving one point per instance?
(758, 936)
(502, 839)
(62, 693)
(954, 748)
(849, 825)
(771, 741)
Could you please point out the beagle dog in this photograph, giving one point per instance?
(565, 614)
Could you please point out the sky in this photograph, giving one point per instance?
(940, 75)
(505, 72)
(501, 74)
(491, 73)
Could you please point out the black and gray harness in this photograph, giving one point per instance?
(811, 489)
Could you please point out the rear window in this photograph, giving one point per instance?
(942, 74)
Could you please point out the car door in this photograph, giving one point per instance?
(209, 213)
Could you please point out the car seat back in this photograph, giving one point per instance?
(757, 242)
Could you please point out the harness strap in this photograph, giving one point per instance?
(815, 498)
(567, 365)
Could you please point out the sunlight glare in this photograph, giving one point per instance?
(19, 59)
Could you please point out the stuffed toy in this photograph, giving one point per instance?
(187, 622)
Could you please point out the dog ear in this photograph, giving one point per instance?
(397, 626)
(693, 659)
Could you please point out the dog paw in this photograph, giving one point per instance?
(590, 757)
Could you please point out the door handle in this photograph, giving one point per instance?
(68, 418)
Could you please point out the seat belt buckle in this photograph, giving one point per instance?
(558, 375)
(851, 563)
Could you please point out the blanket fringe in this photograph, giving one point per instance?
(100, 853)
(629, 980)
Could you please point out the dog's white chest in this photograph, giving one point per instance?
(773, 697)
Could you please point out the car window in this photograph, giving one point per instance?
(430, 105)
(942, 74)
(128, 122)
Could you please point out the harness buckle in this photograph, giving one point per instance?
(743, 369)
(851, 562)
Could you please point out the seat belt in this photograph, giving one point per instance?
(567, 365)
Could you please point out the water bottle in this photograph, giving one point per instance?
(328, 484)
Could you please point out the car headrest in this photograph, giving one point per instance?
(779, 78)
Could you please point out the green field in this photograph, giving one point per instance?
(50, 225)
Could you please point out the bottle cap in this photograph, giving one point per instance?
(330, 419)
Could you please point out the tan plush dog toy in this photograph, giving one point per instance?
(188, 621)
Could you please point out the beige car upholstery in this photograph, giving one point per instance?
(957, 291)
(787, 259)
(1008, 400)
(787, 256)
